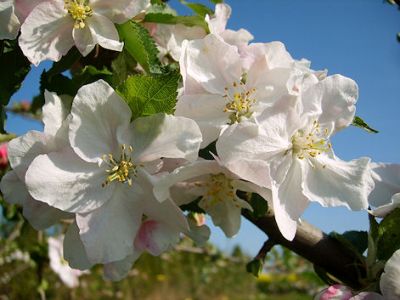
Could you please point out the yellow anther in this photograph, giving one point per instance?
(312, 143)
(79, 10)
(240, 102)
(121, 169)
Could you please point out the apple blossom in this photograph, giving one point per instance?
(218, 91)
(390, 278)
(289, 151)
(217, 188)
(104, 176)
(385, 197)
(54, 27)
(24, 149)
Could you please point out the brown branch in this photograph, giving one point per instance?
(320, 249)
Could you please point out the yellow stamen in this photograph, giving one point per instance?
(120, 169)
(79, 10)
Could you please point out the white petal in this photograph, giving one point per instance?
(289, 201)
(84, 40)
(13, 189)
(390, 279)
(9, 23)
(23, 149)
(104, 32)
(63, 180)
(384, 210)
(212, 63)
(208, 112)
(74, 250)
(338, 96)
(54, 112)
(218, 23)
(162, 135)
(195, 169)
(47, 32)
(109, 231)
(224, 214)
(24, 7)
(118, 270)
(120, 11)
(333, 182)
(40, 215)
(97, 112)
(237, 38)
(387, 183)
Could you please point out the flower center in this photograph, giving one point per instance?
(307, 144)
(240, 102)
(121, 169)
(79, 10)
(219, 188)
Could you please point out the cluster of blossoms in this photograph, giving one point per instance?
(117, 184)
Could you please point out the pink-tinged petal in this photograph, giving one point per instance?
(368, 296)
(24, 7)
(333, 182)
(387, 183)
(390, 279)
(9, 23)
(162, 135)
(108, 232)
(289, 201)
(63, 180)
(212, 63)
(84, 40)
(97, 113)
(335, 292)
(118, 270)
(119, 11)
(13, 189)
(156, 237)
(47, 32)
(104, 32)
(74, 250)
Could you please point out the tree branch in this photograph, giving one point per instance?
(320, 249)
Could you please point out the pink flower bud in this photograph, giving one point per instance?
(3, 156)
(335, 292)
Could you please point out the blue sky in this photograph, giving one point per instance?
(354, 38)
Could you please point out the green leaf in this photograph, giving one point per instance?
(259, 205)
(140, 46)
(255, 267)
(171, 19)
(389, 235)
(356, 241)
(122, 67)
(147, 95)
(200, 9)
(358, 122)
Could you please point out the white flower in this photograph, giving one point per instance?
(390, 279)
(9, 23)
(102, 177)
(289, 151)
(59, 265)
(334, 292)
(385, 197)
(24, 149)
(217, 188)
(53, 27)
(218, 91)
